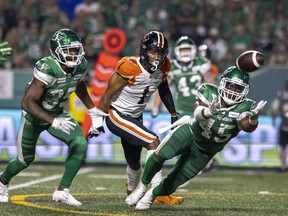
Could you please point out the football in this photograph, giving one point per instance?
(250, 61)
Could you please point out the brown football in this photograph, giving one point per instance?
(250, 61)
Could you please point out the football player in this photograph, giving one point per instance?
(129, 88)
(55, 78)
(220, 114)
(4, 51)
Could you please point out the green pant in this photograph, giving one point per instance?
(26, 142)
(190, 161)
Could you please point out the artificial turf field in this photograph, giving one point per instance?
(101, 189)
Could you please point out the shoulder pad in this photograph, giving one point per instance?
(44, 65)
(128, 67)
(206, 92)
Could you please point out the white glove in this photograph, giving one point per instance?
(63, 124)
(213, 109)
(183, 120)
(254, 113)
(97, 121)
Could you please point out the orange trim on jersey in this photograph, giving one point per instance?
(214, 69)
(129, 126)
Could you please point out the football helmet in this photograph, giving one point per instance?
(234, 85)
(66, 48)
(185, 49)
(153, 51)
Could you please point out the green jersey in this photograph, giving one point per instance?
(59, 85)
(213, 134)
(186, 81)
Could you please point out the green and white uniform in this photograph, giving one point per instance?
(59, 85)
(186, 81)
(196, 143)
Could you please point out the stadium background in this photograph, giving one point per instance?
(27, 26)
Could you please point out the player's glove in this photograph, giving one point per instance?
(97, 117)
(213, 109)
(254, 113)
(63, 124)
(4, 51)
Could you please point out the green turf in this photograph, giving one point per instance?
(102, 192)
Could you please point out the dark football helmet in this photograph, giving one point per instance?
(185, 49)
(234, 85)
(66, 48)
(153, 51)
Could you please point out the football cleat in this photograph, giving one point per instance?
(4, 196)
(65, 197)
(136, 195)
(168, 200)
(146, 201)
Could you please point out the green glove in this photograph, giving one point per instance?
(4, 52)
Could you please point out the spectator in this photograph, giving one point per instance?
(279, 108)
(218, 46)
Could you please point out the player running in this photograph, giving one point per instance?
(129, 88)
(55, 78)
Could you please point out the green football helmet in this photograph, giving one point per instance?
(234, 85)
(66, 48)
(185, 49)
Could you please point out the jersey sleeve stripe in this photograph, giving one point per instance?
(45, 78)
(131, 128)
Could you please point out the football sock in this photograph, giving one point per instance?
(13, 168)
(133, 177)
(158, 176)
(74, 160)
(152, 168)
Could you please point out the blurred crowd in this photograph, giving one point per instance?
(227, 27)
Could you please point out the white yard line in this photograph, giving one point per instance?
(47, 179)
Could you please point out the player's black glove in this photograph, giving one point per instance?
(97, 117)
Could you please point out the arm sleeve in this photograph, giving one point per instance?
(166, 97)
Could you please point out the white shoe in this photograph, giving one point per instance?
(4, 196)
(66, 197)
(136, 195)
(146, 201)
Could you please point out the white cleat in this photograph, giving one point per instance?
(146, 201)
(66, 197)
(4, 196)
(136, 195)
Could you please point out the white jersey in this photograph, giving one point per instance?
(134, 97)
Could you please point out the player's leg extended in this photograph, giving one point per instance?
(186, 168)
(77, 149)
(134, 136)
(171, 146)
(26, 143)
